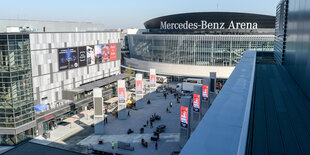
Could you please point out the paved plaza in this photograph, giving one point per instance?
(80, 135)
(116, 130)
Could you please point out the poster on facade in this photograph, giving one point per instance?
(139, 86)
(90, 55)
(105, 53)
(82, 56)
(62, 59)
(205, 92)
(196, 102)
(122, 95)
(98, 54)
(184, 116)
(113, 52)
(73, 59)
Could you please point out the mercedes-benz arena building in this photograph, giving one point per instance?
(194, 44)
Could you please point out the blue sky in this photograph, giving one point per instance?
(124, 13)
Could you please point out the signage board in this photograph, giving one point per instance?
(73, 60)
(90, 55)
(105, 53)
(62, 59)
(113, 52)
(205, 92)
(184, 116)
(204, 24)
(139, 86)
(82, 56)
(196, 102)
(98, 54)
(122, 95)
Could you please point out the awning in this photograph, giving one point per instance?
(40, 107)
(102, 82)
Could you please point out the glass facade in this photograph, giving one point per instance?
(16, 93)
(205, 50)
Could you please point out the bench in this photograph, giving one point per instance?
(125, 146)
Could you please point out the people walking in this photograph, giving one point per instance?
(128, 113)
(112, 145)
(170, 104)
(147, 122)
(151, 124)
(156, 145)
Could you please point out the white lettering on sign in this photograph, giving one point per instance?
(207, 25)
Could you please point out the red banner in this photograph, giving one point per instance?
(121, 95)
(153, 80)
(113, 52)
(139, 87)
(205, 91)
(196, 102)
(184, 116)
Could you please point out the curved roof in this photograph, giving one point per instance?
(263, 21)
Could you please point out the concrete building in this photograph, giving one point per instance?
(48, 76)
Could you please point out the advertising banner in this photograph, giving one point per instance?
(62, 59)
(105, 53)
(184, 116)
(139, 86)
(113, 52)
(122, 95)
(153, 80)
(82, 56)
(196, 102)
(72, 57)
(90, 55)
(98, 54)
(205, 92)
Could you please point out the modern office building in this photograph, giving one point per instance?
(194, 44)
(46, 77)
(264, 106)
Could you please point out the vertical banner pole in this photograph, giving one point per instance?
(122, 111)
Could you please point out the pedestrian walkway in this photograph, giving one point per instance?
(63, 131)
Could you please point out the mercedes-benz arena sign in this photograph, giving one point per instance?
(211, 21)
(207, 25)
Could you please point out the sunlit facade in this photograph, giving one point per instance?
(203, 50)
(16, 91)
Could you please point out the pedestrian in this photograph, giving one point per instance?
(167, 109)
(112, 145)
(165, 95)
(170, 104)
(151, 124)
(147, 122)
(156, 145)
(128, 113)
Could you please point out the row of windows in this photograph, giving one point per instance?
(211, 50)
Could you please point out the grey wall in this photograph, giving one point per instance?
(48, 81)
(297, 56)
